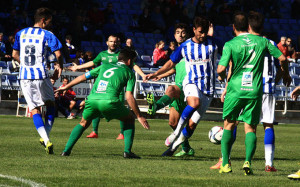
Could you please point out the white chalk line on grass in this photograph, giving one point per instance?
(25, 181)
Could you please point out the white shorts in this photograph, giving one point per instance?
(37, 92)
(268, 109)
(193, 90)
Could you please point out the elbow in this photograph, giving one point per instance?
(219, 70)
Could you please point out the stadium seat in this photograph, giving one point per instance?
(158, 89)
(292, 21)
(141, 40)
(149, 35)
(149, 52)
(85, 43)
(5, 83)
(5, 69)
(139, 35)
(122, 11)
(283, 21)
(129, 34)
(145, 88)
(126, 6)
(96, 44)
(13, 82)
(273, 20)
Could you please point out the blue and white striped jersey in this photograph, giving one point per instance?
(32, 42)
(200, 63)
(270, 66)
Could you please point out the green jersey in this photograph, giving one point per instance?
(247, 53)
(106, 57)
(180, 72)
(111, 80)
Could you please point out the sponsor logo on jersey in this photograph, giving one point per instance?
(247, 79)
(102, 86)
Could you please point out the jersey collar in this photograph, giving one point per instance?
(243, 34)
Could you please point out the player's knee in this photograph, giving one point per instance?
(172, 92)
(84, 123)
(172, 124)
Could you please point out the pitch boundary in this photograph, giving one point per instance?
(19, 179)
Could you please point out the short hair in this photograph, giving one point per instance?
(112, 35)
(69, 37)
(283, 37)
(42, 13)
(172, 43)
(202, 22)
(256, 21)
(66, 78)
(159, 43)
(180, 26)
(126, 54)
(240, 21)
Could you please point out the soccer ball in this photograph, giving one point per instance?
(215, 134)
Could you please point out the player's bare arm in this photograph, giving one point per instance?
(168, 65)
(295, 93)
(58, 65)
(16, 55)
(133, 105)
(140, 72)
(82, 66)
(74, 82)
(221, 70)
(285, 70)
(167, 74)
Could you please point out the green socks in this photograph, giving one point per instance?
(95, 124)
(122, 124)
(162, 102)
(226, 143)
(128, 137)
(74, 136)
(250, 143)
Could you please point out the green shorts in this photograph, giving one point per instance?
(108, 109)
(247, 110)
(179, 104)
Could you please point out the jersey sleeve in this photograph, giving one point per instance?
(53, 42)
(17, 42)
(131, 83)
(226, 55)
(93, 73)
(97, 60)
(176, 56)
(273, 50)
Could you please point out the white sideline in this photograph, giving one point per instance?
(29, 182)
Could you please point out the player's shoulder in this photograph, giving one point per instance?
(188, 41)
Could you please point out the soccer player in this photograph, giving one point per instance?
(35, 83)
(200, 55)
(244, 89)
(108, 56)
(256, 21)
(174, 95)
(104, 100)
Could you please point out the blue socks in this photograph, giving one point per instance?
(49, 118)
(187, 131)
(269, 136)
(38, 121)
(185, 116)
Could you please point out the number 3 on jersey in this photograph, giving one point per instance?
(103, 84)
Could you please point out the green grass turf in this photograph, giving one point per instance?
(99, 162)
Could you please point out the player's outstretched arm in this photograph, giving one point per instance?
(82, 66)
(74, 82)
(168, 65)
(295, 93)
(133, 105)
(140, 72)
(167, 74)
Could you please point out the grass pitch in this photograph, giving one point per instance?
(99, 162)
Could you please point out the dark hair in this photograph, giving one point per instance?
(69, 37)
(126, 54)
(202, 22)
(256, 21)
(240, 21)
(181, 26)
(42, 13)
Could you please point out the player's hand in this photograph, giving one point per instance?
(221, 79)
(61, 89)
(143, 122)
(287, 80)
(223, 95)
(57, 72)
(144, 78)
(150, 76)
(295, 93)
(157, 78)
(73, 68)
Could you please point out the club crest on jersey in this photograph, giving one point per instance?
(248, 41)
(103, 58)
(102, 86)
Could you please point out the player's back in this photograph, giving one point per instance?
(31, 42)
(111, 80)
(247, 53)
